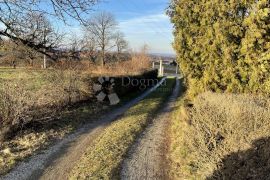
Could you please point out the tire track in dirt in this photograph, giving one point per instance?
(56, 162)
(146, 158)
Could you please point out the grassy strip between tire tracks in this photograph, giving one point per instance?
(103, 159)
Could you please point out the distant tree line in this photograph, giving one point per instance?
(27, 24)
(223, 46)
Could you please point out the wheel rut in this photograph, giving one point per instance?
(146, 158)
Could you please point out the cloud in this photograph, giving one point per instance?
(147, 19)
(154, 23)
(154, 29)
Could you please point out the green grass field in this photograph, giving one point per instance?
(34, 80)
(31, 78)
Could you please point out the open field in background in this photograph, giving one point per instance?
(103, 159)
(221, 136)
(67, 82)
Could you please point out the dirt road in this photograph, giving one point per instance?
(56, 162)
(146, 158)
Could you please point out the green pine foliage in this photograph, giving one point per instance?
(223, 45)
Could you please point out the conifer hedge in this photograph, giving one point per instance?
(223, 45)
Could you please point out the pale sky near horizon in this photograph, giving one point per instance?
(142, 22)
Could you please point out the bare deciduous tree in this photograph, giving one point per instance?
(90, 46)
(89, 42)
(12, 52)
(102, 27)
(120, 42)
(35, 32)
(14, 13)
(76, 46)
(24, 53)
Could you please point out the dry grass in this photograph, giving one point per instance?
(30, 97)
(26, 144)
(42, 134)
(138, 64)
(27, 95)
(222, 136)
(30, 102)
(103, 159)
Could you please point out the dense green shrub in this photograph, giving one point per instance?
(223, 45)
(124, 85)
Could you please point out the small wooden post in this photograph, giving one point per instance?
(44, 50)
(44, 61)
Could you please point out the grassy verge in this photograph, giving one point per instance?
(103, 159)
(221, 136)
(178, 151)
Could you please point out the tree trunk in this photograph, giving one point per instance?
(103, 56)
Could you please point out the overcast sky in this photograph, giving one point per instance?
(142, 21)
